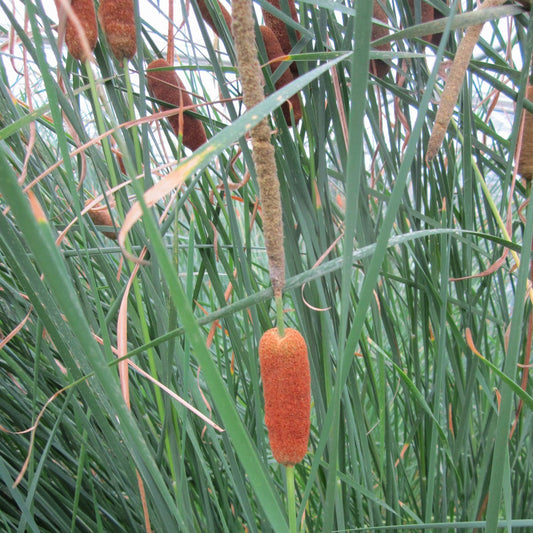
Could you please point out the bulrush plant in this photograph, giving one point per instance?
(283, 359)
(165, 85)
(79, 45)
(525, 159)
(378, 67)
(117, 19)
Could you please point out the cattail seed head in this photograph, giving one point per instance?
(428, 13)
(84, 10)
(101, 216)
(117, 18)
(166, 86)
(278, 26)
(525, 160)
(378, 67)
(274, 50)
(208, 19)
(287, 392)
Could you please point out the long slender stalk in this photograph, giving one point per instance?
(291, 498)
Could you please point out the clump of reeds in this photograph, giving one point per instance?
(117, 18)
(165, 85)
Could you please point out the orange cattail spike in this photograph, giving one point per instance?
(165, 85)
(208, 19)
(287, 391)
(274, 50)
(84, 10)
(278, 26)
(117, 18)
(379, 67)
(525, 159)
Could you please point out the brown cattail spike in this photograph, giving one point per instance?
(379, 67)
(287, 391)
(278, 26)
(525, 159)
(86, 14)
(208, 19)
(273, 50)
(101, 216)
(166, 86)
(117, 18)
(280, 29)
(427, 14)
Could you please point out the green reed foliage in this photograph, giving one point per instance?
(411, 429)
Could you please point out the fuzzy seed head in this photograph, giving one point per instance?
(274, 50)
(379, 67)
(208, 19)
(117, 18)
(428, 13)
(287, 392)
(278, 26)
(165, 85)
(84, 10)
(525, 160)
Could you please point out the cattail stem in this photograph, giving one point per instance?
(134, 129)
(262, 149)
(279, 313)
(291, 498)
